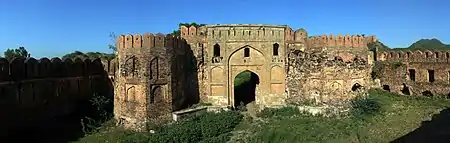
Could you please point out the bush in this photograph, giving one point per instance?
(284, 111)
(365, 106)
(98, 112)
(210, 127)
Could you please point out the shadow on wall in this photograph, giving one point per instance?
(45, 100)
(435, 131)
(185, 82)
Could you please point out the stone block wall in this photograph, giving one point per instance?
(33, 90)
(157, 75)
(415, 72)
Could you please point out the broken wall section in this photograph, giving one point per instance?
(324, 77)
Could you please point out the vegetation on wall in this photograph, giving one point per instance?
(16, 53)
(178, 32)
(88, 55)
(377, 70)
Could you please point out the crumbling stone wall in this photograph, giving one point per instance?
(35, 91)
(201, 66)
(217, 70)
(325, 78)
(415, 72)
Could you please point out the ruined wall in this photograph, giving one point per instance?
(327, 69)
(154, 78)
(33, 91)
(343, 56)
(415, 72)
(322, 78)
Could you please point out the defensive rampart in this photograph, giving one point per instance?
(35, 91)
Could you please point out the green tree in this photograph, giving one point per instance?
(88, 55)
(15, 53)
(113, 46)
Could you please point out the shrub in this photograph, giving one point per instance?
(98, 111)
(211, 127)
(365, 106)
(284, 111)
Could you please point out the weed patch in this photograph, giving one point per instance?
(279, 112)
(210, 127)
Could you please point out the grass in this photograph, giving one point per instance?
(398, 115)
(208, 128)
(382, 117)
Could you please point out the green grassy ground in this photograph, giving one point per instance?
(398, 116)
(394, 117)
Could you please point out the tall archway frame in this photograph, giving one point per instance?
(246, 47)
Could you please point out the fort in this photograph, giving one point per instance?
(154, 75)
(160, 73)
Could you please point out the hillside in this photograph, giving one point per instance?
(422, 44)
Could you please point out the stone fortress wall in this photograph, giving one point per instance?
(415, 72)
(33, 91)
(290, 64)
(157, 75)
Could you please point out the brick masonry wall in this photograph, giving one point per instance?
(34, 90)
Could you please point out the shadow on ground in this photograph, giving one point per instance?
(435, 131)
(62, 129)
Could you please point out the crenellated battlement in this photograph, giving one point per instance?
(356, 41)
(148, 40)
(414, 56)
(192, 31)
(31, 68)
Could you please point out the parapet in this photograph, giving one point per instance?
(147, 40)
(356, 41)
(414, 55)
(30, 68)
(192, 31)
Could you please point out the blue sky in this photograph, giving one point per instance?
(56, 27)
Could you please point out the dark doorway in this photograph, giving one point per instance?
(427, 93)
(431, 75)
(356, 87)
(244, 88)
(386, 87)
(405, 89)
(412, 74)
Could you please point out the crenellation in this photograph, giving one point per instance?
(31, 68)
(44, 68)
(128, 41)
(78, 67)
(148, 40)
(184, 30)
(86, 67)
(340, 40)
(17, 69)
(347, 40)
(4, 69)
(331, 40)
(120, 42)
(137, 41)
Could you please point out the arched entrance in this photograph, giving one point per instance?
(251, 62)
(245, 84)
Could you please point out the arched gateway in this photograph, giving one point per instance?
(158, 74)
(233, 49)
